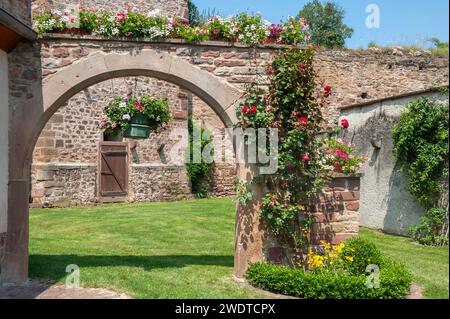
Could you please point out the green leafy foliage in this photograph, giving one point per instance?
(421, 147)
(243, 27)
(199, 172)
(364, 253)
(194, 14)
(243, 194)
(326, 21)
(432, 228)
(394, 279)
(117, 114)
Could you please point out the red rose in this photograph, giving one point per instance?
(306, 158)
(303, 120)
(245, 109)
(253, 109)
(139, 106)
(328, 88)
(345, 124)
(216, 31)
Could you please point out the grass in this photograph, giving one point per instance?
(428, 265)
(157, 250)
(176, 250)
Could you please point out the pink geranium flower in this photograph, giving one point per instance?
(306, 158)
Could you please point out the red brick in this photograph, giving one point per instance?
(352, 206)
(349, 196)
(324, 217)
(60, 52)
(229, 63)
(211, 54)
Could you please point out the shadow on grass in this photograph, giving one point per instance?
(54, 266)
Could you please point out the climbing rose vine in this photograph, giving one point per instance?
(308, 158)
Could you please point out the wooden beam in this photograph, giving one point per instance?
(8, 39)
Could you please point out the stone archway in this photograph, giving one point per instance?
(56, 90)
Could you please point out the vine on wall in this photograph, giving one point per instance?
(199, 171)
(306, 160)
(421, 146)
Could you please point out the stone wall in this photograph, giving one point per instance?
(66, 153)
(386, 203)
(20, 9)
(169, 8)
(158, 183)
(356, 76)
(336, 216)
(4, 123)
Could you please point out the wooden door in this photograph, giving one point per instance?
(113, 170)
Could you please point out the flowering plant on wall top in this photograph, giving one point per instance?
(242, 27)
(118, 113)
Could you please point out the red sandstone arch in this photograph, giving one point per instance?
(28, 122)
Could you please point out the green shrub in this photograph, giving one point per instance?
(199, 173)
(394, 282)
(348, 283)
(429, 231)
(364, 253)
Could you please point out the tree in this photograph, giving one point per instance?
(326, 21)
(194, 13)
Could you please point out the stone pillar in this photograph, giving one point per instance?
(249, 235)
(335, 212)
(4, 123)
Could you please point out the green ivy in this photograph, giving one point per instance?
(421, 147)
(199, 173)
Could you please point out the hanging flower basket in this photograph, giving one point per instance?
(136, 117)
(139, 127)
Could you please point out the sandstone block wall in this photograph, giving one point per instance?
(66, 154)
(356, 76)
(336, 216)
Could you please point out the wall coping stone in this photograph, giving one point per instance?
(395, 97)
(221, 44)
(56, 166)
(354, 175)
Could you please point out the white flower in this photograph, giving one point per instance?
(65, 19)
(268, 33)
(115, 31)
(241, 36)
(153, 13)
(253, 28)
(56, 12)
(122, 105)
(112, 19)
(126, 117)
(51, 22)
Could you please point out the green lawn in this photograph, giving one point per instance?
(428, 265)
(175, 250)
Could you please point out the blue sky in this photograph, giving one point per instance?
(402, 22)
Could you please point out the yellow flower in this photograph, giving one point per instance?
(349, 258)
